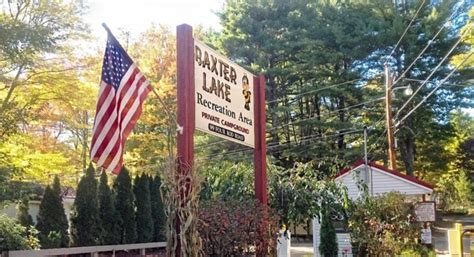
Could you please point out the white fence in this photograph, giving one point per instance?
(92, 250)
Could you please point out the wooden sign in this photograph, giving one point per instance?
(425, 211)
(224, 97)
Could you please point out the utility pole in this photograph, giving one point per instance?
(388, 116)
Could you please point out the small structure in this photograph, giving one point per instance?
(68, 194)
(379, 180)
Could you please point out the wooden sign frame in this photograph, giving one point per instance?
(186, 118)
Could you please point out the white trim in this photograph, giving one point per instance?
(351, 170)
(86, 249)
(387, 173)
(403, 179)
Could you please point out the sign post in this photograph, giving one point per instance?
(260, 150)
(220, 98)
(185, 111)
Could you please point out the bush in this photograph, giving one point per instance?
(418, 252)
(234, 228)
(383, 225)
(85, 222)
(52, 218)
(14, 236)
(328, 246)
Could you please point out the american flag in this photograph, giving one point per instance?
(123, 89)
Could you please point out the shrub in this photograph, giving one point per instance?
(383, 225)
(14, 236)
(108, 217)
(144, 219)
(85, 222)
(328, 246)
(157, 210)
(52, 217)
(23, 217)
(125, 207)
(235, 229)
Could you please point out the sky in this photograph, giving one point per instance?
(137, 15)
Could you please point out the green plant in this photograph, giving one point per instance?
(298, 193)
(125, 207)
(141, 189)
(383, 225)
(237, 228)
(52, 217)
(328, 246)
(418, 252)
(157, 210)
(454, 191)
(22, 216)
(14, 236)
(85, 224)
(108, 216)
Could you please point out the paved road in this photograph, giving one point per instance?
(302, 250)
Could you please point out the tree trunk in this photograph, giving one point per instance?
(407, 147)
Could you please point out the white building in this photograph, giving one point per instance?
(379, 180)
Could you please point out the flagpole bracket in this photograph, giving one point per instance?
(179, 128)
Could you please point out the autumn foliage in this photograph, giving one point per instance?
(236, 228)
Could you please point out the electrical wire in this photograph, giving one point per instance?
(334, 111)
(295, 97)
(445, 24)
(430, 75)
(406, 30)
(278, 145)
(434, 90)
(296, 122)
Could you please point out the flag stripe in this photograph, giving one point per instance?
(105, 110)
(127, 124)
(122, 93)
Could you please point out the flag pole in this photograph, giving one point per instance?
(168, 112)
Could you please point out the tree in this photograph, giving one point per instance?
(23, 217)
(155, 53)
(383, 225)
(32, 33)
(85, 223)
(15, 236)
(108, 216)
(328, 246)
(323, 63)
(52, 221)
(125, 207)
(157, 209)
(145, 228)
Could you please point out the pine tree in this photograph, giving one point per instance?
(85, 226)
(52, 222)
(23, 217)
(328, 246)
(125, 208)
(108, 216)
(157, 210)
(142, 201)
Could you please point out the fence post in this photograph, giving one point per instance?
(143, 252)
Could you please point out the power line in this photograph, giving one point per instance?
(273, 147)
(430, 75)
(314, 91)
(298, 121)
(436, 88)
(407, 28)
(334, 111)
(445, 24)
(278, 145)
